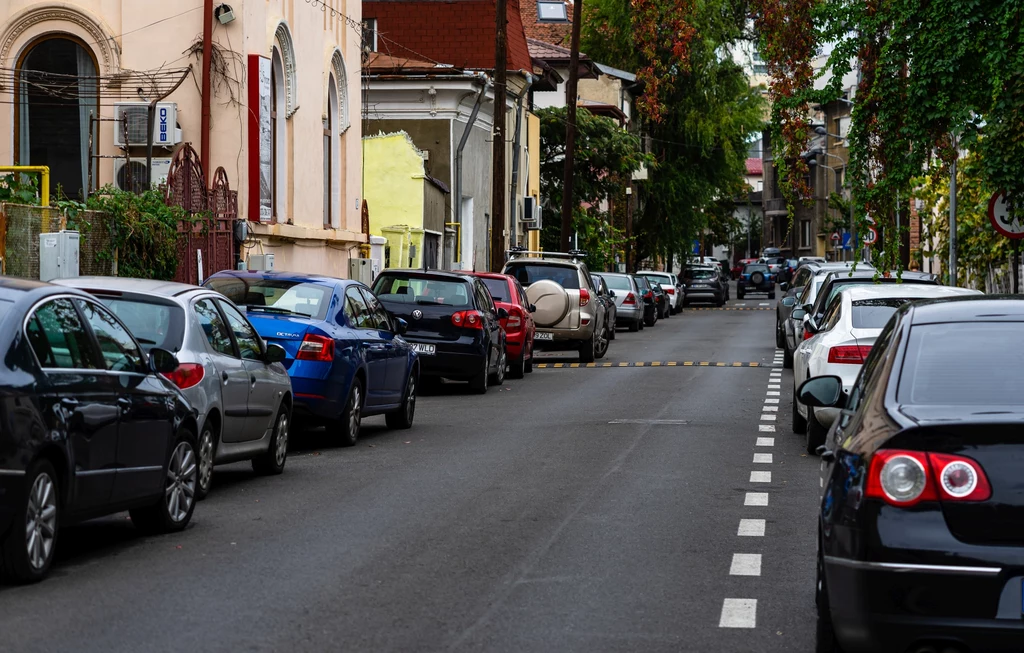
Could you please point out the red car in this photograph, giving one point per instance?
(737, 269)
(519, 327)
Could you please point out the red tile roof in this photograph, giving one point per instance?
(455, 32)
(383, 64)
(755, 166)
(549, 32)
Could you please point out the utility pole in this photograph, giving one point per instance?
(570, 124)
(206, 100)
(498, 166)
(952, 220)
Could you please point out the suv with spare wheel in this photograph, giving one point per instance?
(756, 277)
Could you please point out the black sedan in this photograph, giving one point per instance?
(921, 529)
(454, 325)
(88, 427)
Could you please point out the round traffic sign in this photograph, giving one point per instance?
(999, 214)
(871, 237)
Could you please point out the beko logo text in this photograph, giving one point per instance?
(163, 124)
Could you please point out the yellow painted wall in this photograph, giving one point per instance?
(393, 181)
(533, 147)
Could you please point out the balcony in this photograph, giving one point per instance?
(775, 206)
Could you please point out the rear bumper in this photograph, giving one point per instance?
(626, 315)
(459, 359)
(565, 335)
(705, 294)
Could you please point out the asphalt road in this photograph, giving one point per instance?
(576, 510)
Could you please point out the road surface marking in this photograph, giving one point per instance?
(669, 422)
(762, 303)
(751, 528)
(774, 386)
(773, 393)
(765, 442)
(742, 304)
(738, 613)
(745, 564)
(764, 458)
(771, 401)
(756, 499)
(765, 417)
(760, 477)
(770, 408)
(767, 428)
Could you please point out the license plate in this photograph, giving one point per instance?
(543, 336)
(423, 349)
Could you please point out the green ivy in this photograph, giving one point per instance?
(19, 189)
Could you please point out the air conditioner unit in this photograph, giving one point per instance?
(261, 262)
(532, 220)
(134, 169)
(135, 115)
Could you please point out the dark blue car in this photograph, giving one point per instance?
(345, 353)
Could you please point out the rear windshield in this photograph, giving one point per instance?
(962, 363)
(497, 287)
(659, 279)
(750, 269)
(424, 291)
(702, 274)
(153, 324)
(874, 313)
(617, 283)
(527, 273)
(642, 283)
(260, 295)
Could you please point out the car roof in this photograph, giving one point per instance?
(913, 290)
(661, 272)
(443, 274)
(974, 308)
(127, 284)
(490, 275)
(298, 277)
(869, 273)
(13, 287)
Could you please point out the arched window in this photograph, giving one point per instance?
(279, 147)
(53, 129)
(332, 157)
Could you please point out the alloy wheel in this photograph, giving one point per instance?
(410, 401)
(41, 520)
(354, 407)
(281, 439)
(206, 458)
(500, 372)
(181, 482)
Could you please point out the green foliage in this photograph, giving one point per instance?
(19, 189)
(144, 231)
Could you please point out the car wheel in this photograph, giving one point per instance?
(720, 302)
(588, 349)
(739, 294)
(780, 340)
(27, 552)
(517, 368)
(478, 383)
(815, 433)
(799, 422)
(611, 331)
(352, 415)
(173, 510)
(603, 342)
(207, 447)
(402, 418)
(635, 326)
(771, 295)
(825, 634)
(271, 461)
(528, 364)
(499, 373)
(787, 358)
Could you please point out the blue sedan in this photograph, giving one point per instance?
(345, 353)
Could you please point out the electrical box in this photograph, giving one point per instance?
(361, 269)
(58, 255)
(261, 262)
(532, 220)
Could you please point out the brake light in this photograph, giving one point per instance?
(514, 321)
(468, 319)
(630, 299)
(186, 375)
(670, 290)
(854, 354)
(316, 348)
(584, 296)
(808, 335)
(648, 295)
(904, 478)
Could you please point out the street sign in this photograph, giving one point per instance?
(871, 237)
(836, 238)
(999, 214)
(847, 240)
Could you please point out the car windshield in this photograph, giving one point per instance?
(617, 283)
(658, 279)
(702, 274)
(874, 313)
(497, 287)
(750, 269)
(642, 284)
(407, 289)
(153, 324)
(264, 295)
(956, 364)
(527, 273)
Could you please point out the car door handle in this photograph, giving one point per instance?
(125, 403)
(252, 381)
(375, 346)
(225, 377)
(826, 454)
(68, 402)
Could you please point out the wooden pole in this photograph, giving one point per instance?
(498, 151)
(568, 203)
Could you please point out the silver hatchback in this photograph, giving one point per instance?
(235, 381)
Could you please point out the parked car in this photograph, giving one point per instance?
(651, 311)
(88, 426)
(756, 278)
(453, 324)
(629, 301)
(861, 275)
(793, 326)
(607, 297)
(560, 286)
(704, 284)
(344, 353)
(233, 379)
(775, 264)
(853, 319)
(661, 300)
(791, 291)
(788, 270)
(508, 294)
(920, 529)
(670, 284)
(737, 270)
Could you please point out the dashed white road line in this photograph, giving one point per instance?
(770, 408)
(765, 442)
(760, 477)
(766, 428)
(774, 386)
(763, 304)
(765, 417)
(745, 564)
(756, 499)
(771, 401)
(751, 528)
(773, 393)
(738, 613)
(764, 458)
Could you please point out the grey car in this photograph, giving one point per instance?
(629, 301)
(704, 284)
(234, 380)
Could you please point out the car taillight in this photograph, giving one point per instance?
(630, 299)
(854, 354)
(186, 375)
(515, 320)
(904, 478)
(807, 334)
(468, 319)
(584, 296)
(648, 295)
(670, 291)
(316, 348)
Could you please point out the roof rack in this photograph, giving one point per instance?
(574, 254)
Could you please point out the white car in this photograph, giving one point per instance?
(670, 284)
(851, 323)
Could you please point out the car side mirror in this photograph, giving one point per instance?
(611, 293)
(502, 313)
(784, 286)
(798, 313)
(401, 326)
(821, 392)
(789, 301)
(810, 325)
(162, 361)
(275, 353)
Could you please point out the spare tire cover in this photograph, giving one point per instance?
(757, 277)
(551, 300)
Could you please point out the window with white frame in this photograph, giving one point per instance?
(332, 157)
(805, 234)
(277, 132)
(369, 35)
(549, 11)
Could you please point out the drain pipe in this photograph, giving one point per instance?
(484, 83)
(515, 157)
